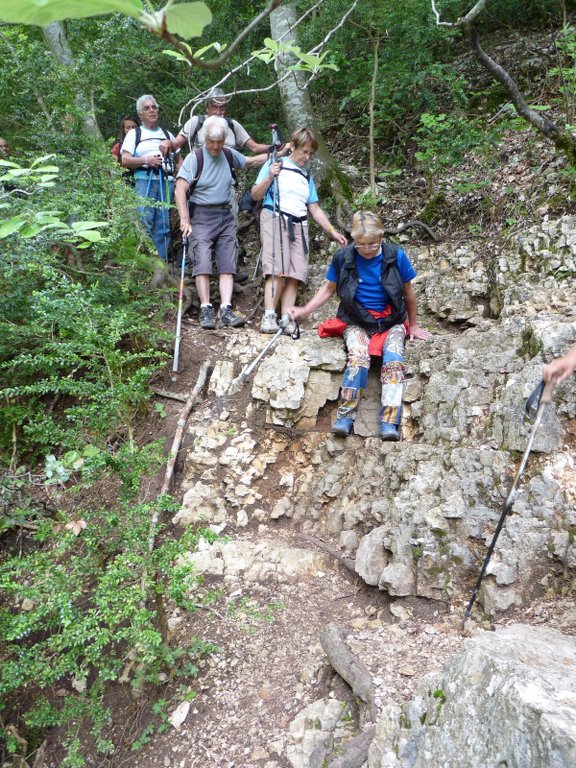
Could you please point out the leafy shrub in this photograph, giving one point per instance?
(80, 329)
(83, 607)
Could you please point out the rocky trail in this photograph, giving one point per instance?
(269, 696)
(285, 571)
(343, 567)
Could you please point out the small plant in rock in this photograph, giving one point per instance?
(250, 613)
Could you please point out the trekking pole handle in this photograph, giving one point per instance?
(273, 148)
(542, 395)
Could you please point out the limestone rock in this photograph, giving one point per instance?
(313, 727)
(508, 699)
(299, 378)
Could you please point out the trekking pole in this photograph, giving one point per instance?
(276, 141)
(540, 397)
(258, 261)
(169, 164)
(274, 204)
(163, 209)
(295, 335)
(179, 317)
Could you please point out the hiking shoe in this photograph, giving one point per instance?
(269, 324)
(288, 326)
(389, 432)
(342, 426)
(207, 317)
(229, 319)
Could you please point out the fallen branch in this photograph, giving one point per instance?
(170, 395)
(350, 669)
(182, 419)
(176, 443)
(410, 225)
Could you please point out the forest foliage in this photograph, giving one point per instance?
(82, 332)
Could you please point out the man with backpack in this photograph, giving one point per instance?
(193, 132)
(153, 171)
(206, 176)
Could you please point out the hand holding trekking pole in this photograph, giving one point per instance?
(274, 170)
(561, 368)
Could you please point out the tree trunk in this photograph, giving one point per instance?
(298, 111)
(55, 36)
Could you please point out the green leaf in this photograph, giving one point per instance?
(11, 226)
(82, 226)
(187, 19)
(41, 159)
(178, 56)
(43, 12)
(218, 47)
(34, 228)
(90, 235)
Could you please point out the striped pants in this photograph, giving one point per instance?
(356, 374)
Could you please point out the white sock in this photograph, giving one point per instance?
(205, 305)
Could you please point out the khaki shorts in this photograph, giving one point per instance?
(290, 258)
(213, 234)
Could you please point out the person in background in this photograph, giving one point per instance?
(126, 124)
(194, 132)
(561, 367)
(289, 195)
(153, 172)
(208, 220)
(377, 309)
(4, 148)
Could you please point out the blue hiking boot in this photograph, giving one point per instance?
(342, 426)
(389, 431)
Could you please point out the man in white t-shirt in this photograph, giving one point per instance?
(192, 133)
(153, 171)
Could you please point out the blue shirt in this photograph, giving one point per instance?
(370, 292)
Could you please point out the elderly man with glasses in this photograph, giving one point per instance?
(4, 148)
(153, 171)
(377, 310)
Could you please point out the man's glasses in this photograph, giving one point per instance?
(367, 246)
(150, 107)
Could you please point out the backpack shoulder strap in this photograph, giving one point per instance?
(199, 123)
(339, 258)
(231, 126)
(199, 166)
(302, 171)
(390, 253)
(138, 138)
(230, 158)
